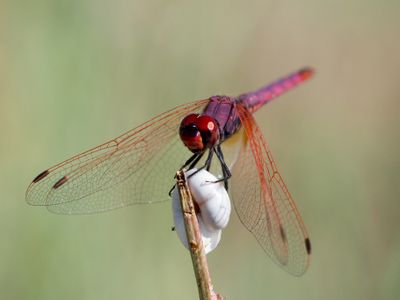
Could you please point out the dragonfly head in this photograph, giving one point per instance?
(199, 132)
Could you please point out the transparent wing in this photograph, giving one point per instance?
(264, 204)
(136, 167)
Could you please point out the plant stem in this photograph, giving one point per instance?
(193, 234)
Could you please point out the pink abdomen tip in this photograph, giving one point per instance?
(305, 73)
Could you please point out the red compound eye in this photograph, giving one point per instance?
(189, 119)
(190, 134)
(199, 132)
(209, 130)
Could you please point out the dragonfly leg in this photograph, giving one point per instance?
(191, 162)
(206, 165)
(194, 162)
(226, 173)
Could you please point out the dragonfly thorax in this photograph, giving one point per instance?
(199, 132)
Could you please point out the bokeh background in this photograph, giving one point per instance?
(74, 74)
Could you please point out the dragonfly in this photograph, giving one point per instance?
(137, 167)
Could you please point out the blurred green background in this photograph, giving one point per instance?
(74, 74)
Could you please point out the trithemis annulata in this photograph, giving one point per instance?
(139, 166)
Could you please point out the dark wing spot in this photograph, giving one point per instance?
(283, 233)
(60, 182)
(41, 176)
(308, 245)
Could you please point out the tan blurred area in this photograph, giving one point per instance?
(74, 74)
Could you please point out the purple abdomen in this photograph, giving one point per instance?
(254, 100)
(223, 108)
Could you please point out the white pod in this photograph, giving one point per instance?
(214, 204)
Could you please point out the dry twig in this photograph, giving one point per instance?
(197, 253)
